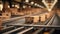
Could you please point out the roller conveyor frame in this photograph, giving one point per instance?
(13, 30)
(43, 26)
(48, 25)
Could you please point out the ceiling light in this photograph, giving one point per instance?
(35, 4)
(32, 2)
(1, 7)
(26, 0)
(49, 5)
(17, 6)
(8, 6)
(29, 6)
(24, 6)
(12, 5)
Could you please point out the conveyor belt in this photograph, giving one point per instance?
(13, 30)
(54, 23)
(32, 28)
(9, 28)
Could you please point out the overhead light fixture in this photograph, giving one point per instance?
(12, 5)
(17, 6)
(8, 6)
(49, 4)
(35, 4)
(26, 0)
(1, 7)
(40, 6)
(29, 6)
(32, 2)
(24, 6)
